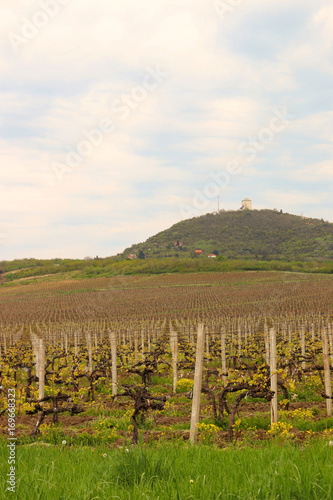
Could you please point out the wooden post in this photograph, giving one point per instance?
(136, 348)
(148, 340)
(330, 336)
(142, 344)
(197, 384)
(224, 361)
(274, 403)
(114, 362)
(174, 343)
(90, 360)
(154, 338)
(289, 333)
(328, 387)
(239, 339)
(267, 344)
(303, 345)
(76, 350)
(41, 370)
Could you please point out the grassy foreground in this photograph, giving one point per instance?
(273, 471)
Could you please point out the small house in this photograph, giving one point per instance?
(212, 256)
(198, 252)
(132, 256)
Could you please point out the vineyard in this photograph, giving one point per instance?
(116, 361)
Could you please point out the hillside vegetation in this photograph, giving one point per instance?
(249, 234)
(249, 240)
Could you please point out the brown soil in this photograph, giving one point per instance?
(79, 424)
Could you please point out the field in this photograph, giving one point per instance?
(101, 372)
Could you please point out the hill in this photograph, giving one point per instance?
(246, 234)
(243, 240)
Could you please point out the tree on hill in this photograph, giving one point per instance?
(141, 255)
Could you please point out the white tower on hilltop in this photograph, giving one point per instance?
(246, 204)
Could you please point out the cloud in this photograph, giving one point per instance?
(226, 74)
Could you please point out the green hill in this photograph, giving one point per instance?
(246, 234)
(243, 240)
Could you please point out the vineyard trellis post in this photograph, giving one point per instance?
(41, 368)
(273, 373)
(76, 350)
(327, 373)
(90, 359)
(114, 362)
(303, 345)
(174, 345)
(136, 347)
(239, 339)
(224, 360)
(197, 384)
(330, 336)
(142, 344)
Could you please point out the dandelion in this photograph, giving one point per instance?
(104, 455)
(64, 442)
(191, 481)
(330, 443)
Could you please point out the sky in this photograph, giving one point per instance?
(121, 118)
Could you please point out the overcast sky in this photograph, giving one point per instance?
(119, 118)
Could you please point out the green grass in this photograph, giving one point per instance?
(270, 471)
(260, 421)
(306, 424)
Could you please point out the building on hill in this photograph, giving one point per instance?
(212, 256)
(132, 256)
(246, 204)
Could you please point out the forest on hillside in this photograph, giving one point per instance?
(249, 234)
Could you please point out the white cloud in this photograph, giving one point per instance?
(67, 78)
